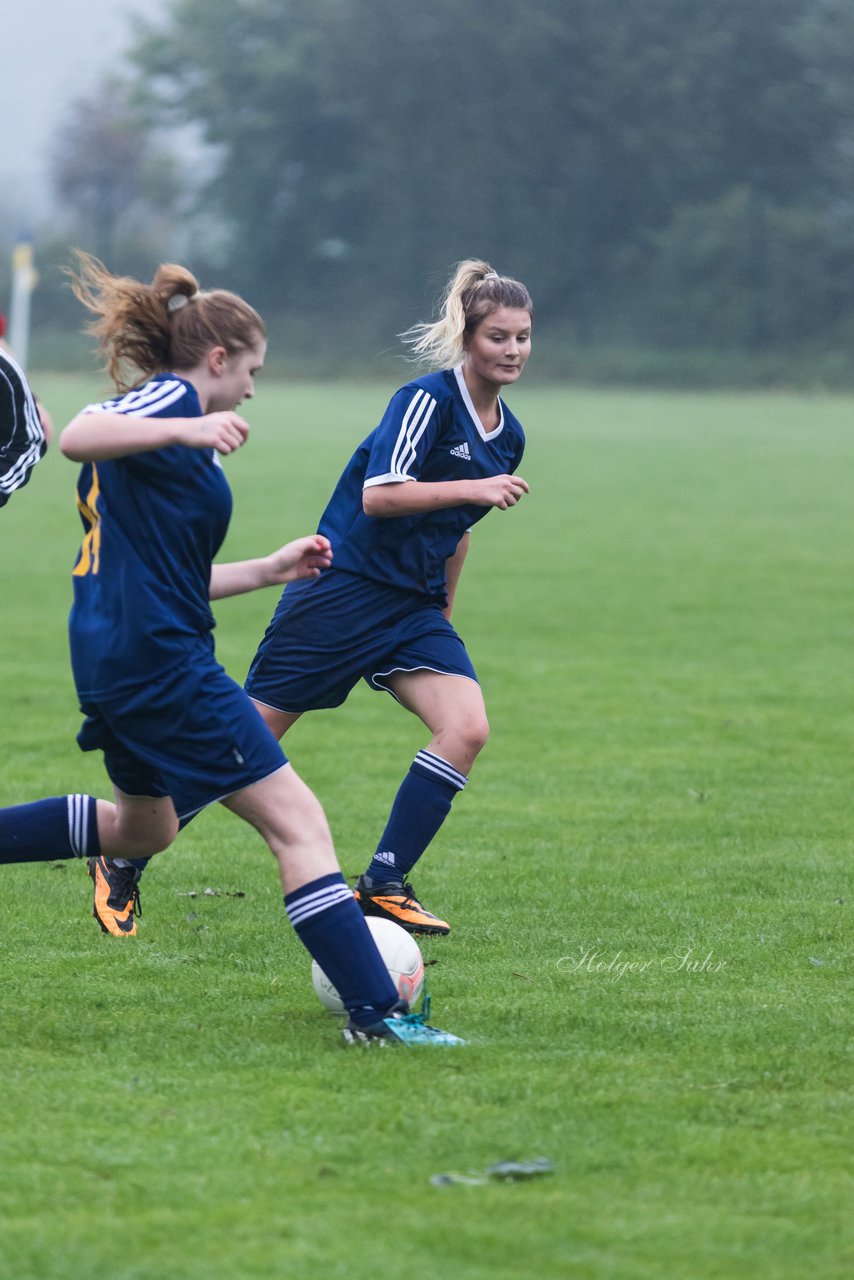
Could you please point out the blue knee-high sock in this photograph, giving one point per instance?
(421, 805)
(331, 927)
(62, 827)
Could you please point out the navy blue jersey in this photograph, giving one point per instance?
(153, 523)
(22, 440)
(429, 432)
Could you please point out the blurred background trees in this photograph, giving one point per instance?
(667, 178)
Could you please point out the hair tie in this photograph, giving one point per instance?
(491, 275)
(177, 301)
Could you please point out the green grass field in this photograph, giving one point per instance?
(649, 879)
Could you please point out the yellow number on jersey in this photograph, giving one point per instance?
(90, 552)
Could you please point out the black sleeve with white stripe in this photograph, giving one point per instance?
(22, 440)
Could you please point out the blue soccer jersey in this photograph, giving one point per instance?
(429, 432)
(153, 523)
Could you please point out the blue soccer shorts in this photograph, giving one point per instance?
(332, 631)
(191, 734)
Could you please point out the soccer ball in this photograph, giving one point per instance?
(402, 957)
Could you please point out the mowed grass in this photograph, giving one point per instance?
(649, 879)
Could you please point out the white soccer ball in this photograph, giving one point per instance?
(402, 957)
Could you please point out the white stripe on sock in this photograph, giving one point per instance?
(78, 824)
(441, 767)
(314, 904)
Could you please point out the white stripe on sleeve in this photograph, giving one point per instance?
(142, 402)
(414, 424)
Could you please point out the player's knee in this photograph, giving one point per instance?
(298, 819)
(312, 820)
(144, 843)
(473, 734)
(165, 840)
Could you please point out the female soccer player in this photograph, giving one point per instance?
(155, 507)
(398, 522)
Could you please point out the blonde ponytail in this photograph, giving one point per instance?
(474, 291)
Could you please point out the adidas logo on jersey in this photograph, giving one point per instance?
(462, 451)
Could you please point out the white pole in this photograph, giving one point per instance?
(23, 282)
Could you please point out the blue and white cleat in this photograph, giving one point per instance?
(399, 1027)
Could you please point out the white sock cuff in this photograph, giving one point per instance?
(435, 764)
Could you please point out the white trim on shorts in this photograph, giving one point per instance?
(422, 666)
(191, 813)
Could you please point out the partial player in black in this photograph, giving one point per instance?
(175, 731)
(23, 438)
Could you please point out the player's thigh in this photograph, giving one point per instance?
(283, 809)
(441, 701)
(278, 722)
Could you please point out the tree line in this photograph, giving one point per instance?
(658, 172)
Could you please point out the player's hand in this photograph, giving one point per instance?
(302, 558)
(499, 491)
(224, 431)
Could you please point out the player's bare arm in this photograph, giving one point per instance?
(408, 497)
(98, 437)
(302, 558)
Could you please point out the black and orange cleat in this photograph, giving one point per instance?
(116, 896)
(398, 902)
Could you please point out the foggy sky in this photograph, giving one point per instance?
(52, 53)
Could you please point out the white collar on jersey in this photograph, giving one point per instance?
(469, 404)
